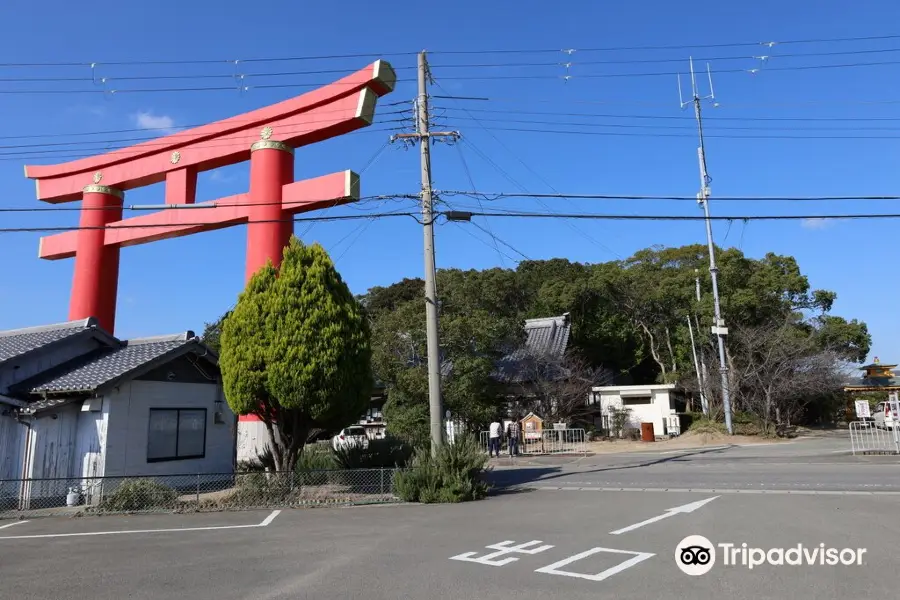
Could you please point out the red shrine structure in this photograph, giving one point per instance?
(266, 137)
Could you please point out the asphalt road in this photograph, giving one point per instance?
(820, 464)
(407, 551)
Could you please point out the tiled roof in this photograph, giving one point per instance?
(92, 371)
(874, 382)
(547, 337)
(16, 342)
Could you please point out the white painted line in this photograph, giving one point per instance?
(554, 569)
(503, 549)
(267, 520)
(270, 518)
(720, 491)
(12, 524)
(684, 509)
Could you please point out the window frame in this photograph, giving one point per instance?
(177, 411)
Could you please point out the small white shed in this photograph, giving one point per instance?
(657, 404)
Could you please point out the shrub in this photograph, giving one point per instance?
(260, 489)
(705, 425)
(631, 433)
(315, 457)
(387, 453)
(139, 495)
(746, 424)
(454, 475)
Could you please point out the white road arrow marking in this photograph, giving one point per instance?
(687, 508)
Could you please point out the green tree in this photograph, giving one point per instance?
(479, 323)
(295, 351)
(212, 333)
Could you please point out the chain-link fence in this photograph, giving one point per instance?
(188, 493)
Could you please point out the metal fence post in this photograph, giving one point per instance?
(198, 491)
(382, 481)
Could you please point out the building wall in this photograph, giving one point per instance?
(51, 450)
(655, 411)
(129, 418)
(252, 439)
(90, 439)
(12, 442)
(15, 371)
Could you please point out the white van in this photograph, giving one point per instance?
(883, 417)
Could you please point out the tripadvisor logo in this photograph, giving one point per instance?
(696, 555)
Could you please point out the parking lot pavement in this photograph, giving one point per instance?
(538, 545)
(812, 466)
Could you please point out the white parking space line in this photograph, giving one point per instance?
(636, 557)
(684, 509)
(12, 524)
(265, 522)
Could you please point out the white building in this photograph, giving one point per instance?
(76, 402)
(658, 404)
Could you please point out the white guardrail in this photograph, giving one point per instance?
(865, 437)
(548, 441)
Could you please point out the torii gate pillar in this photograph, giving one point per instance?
(96, 280)
(266, 137)
(269, 229)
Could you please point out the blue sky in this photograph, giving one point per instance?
(178, 284)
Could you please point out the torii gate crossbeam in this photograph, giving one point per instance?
(266, 137)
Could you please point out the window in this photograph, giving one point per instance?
(637, 400)
(176, 433)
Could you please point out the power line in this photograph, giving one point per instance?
(412, 215)
(137, 150)
(497, 239)
(465, 165)
(677, 46)
(654, 126)
(501, 195)
(168, 130)
(612, 217)
(759, 58)
(174, 90)
(569, 76)
(243, 76)
(197, 206)
(633, 102)
(145, 143)
(680, 135)
(267, 59)
(587, 236)
(660, 117)
(478, 239)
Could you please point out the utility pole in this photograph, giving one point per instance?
(433, 347)
(703, 405)
(702, 371)
(718, 329)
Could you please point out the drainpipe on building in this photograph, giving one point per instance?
(25, 483)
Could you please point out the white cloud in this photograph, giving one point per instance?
(815, 223)
(147, 120)
(219, 177)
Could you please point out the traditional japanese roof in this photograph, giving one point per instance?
(108, 366)
(15, 343)
(878, 376)
(544, 338)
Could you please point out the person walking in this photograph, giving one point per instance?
(495, 430)
(512, 437)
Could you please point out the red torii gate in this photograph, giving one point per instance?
(267, 137)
